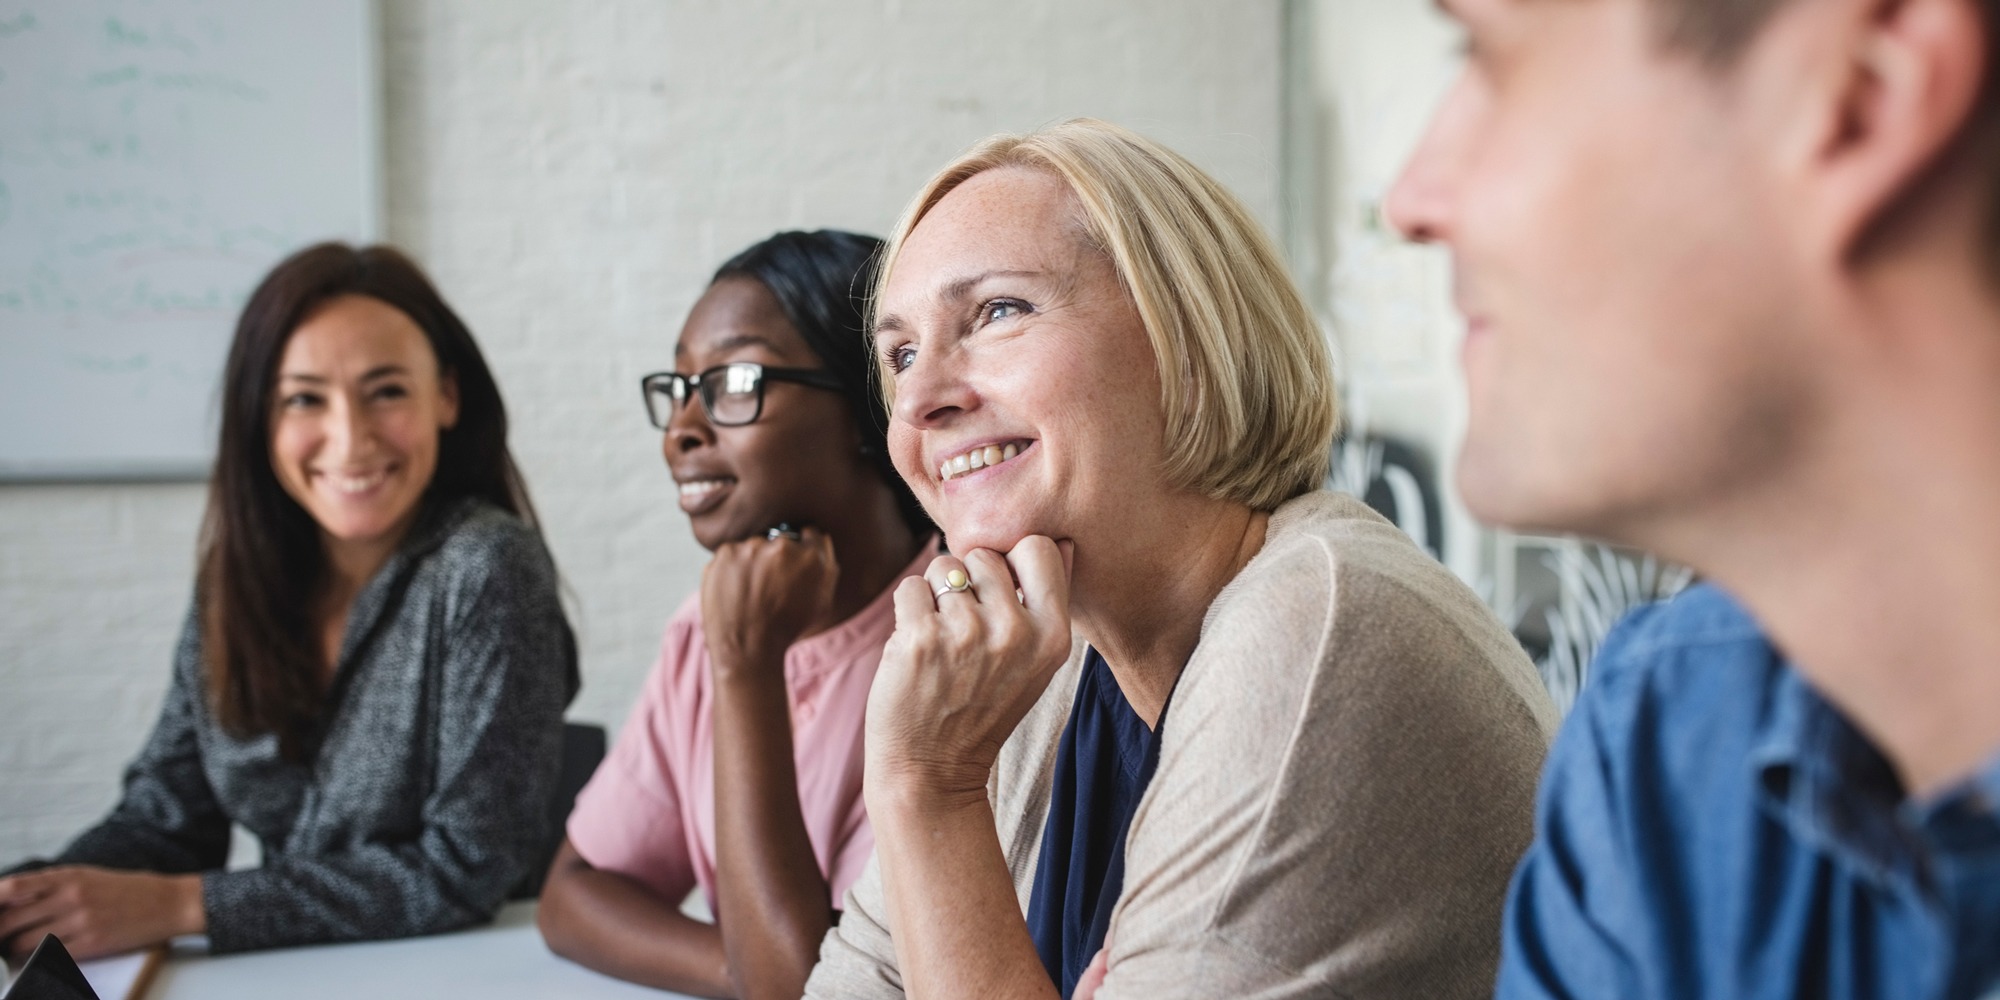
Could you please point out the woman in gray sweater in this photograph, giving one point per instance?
(373, 674)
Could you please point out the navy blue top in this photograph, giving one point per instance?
(1103, 763)
(1709, 826)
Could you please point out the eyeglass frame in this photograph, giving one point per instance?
(690, 385)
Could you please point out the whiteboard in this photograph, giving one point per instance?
(157, 157)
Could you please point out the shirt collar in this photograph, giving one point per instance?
(869, 627)
(1821, 777)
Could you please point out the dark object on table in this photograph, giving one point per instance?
(51, 975)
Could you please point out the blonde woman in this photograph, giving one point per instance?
(1167, 720)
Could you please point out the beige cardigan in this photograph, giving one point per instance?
(1345, 784)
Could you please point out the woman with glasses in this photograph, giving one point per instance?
(739, 771)
(372, 677)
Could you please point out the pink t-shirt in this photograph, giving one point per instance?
(649, 811)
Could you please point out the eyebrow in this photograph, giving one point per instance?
(960, 288)
(379, 371)
(731, 343)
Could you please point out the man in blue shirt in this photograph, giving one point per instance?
(1731, 270)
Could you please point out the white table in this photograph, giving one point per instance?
(504, 960)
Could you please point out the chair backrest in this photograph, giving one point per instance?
(583, 748)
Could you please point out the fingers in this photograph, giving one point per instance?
(26, 918)
(939, 577)
(17, 890)
(991, 579)
(1040, 565)
(913, 601)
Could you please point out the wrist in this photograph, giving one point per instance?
(190, 915)
(748, 670)
(920, 793)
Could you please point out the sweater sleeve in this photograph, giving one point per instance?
(167, 819)
(508, 663)
(857, 959)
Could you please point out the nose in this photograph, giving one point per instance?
(1415, 203)
(348, 433)
(688, 429)
(932, 390)
(1421, 202)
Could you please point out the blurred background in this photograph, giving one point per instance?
(570, 174)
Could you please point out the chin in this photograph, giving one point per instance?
(973, 533)
(357, 530)
(1490, 486)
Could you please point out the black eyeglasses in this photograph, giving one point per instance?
(733, 394)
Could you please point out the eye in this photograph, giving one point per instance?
(389, 391)
(899, 357)
(300, 401)
(996, 310)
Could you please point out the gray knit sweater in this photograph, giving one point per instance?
(426, 798)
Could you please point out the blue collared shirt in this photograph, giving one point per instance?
(1710, 827)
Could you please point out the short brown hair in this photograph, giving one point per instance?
(1719, 30)
(1246, 377)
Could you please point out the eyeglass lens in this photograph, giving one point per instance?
(730, 394)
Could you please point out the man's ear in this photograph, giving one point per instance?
(448, 392)
(1894, 92)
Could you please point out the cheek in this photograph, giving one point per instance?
(413, 434)
(293, 442)
(906, 454)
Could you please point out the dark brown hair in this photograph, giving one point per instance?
(261, 562)
(1719, 30)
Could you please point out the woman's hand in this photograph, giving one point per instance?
(964, 667)
(760, 595)
(97, 911)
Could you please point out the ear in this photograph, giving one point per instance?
(448, 395)
(1898, 86)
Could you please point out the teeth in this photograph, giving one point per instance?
(699, 487)
(357, 484)
(977, 458)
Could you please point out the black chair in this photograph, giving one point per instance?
(583, 748)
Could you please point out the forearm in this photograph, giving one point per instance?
(774, 902)
(952, 908)
(605, 921)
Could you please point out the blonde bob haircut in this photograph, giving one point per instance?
(1246, 380)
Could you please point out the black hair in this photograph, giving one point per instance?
(822, 280)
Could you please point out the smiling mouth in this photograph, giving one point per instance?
(699, 495)
(355, 485)
(985, 456)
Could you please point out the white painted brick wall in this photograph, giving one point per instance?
(570, 173)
